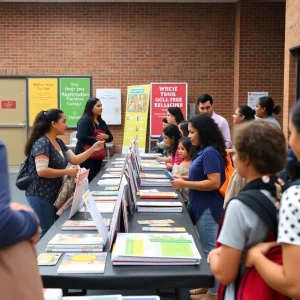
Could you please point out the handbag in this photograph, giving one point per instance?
(24, 179)
(100, 154)
(19, 273)
(66, 192)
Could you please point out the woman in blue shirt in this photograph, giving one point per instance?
(207, 174)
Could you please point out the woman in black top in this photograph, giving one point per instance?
(91, 120)
(48, 160)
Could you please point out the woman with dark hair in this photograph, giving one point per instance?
(265, 108)
(183, 128)
(90, 121)
(48, 159)
(171, 139)
(207, 175)
(174, 115)
(243, 113)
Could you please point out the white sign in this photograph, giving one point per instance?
(254, 96)
(111, 104)
(96, 215)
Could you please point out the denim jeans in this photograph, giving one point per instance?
(45, 212)
(207, 229)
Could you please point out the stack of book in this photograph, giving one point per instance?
(80, 242)
(153, 166)
(155, 249)
(159, 206)
(158, 195)
(82, 224)
(150, 155)
(155, 182)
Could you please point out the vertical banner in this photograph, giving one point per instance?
(73, 94)
(163, 96)
(136, 116)
(42, 95)
(111, 105)
(253, 98)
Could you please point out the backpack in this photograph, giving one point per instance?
(228, 173)
(250, 285)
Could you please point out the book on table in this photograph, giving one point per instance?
(109, 297)
(103, 207)
(82, 224)
(82, 242)
(155, 249)
(105, 182)
(158, 195)
(155, 182)
(153, 166)
(150, 155)
(158, 206)
(82, 263)
(150, 175)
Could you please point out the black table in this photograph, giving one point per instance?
(130, 277)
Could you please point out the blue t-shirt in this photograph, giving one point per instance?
(47, 188)
(207, 161)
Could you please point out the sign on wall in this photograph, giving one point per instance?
(73, 94)
(42, 95)
(254, 96)
(8, 104)
(136, 116)
(111, 105)
(163, 96)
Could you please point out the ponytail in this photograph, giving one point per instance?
(42, 125)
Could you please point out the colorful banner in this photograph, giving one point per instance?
(42, 95)
(74, 92)
(136, 117)
(163, 96)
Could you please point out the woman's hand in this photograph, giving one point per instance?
(177, 176)
(102, 137)
(162, 159)
(98, 146)
(72, 172)
(259, 249)
(178, 184)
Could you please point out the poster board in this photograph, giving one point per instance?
(42, 94)
(73, 95)
(136, 117)
(253, 98)
(111, 105)
(163, 96)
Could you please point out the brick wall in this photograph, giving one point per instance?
(292, 39)
(123, 44)
(261, 50)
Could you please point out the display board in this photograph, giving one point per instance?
(163, 96)
(73, 94)
(136, 117)
(42, 94)
(253, 98)
(111, 104)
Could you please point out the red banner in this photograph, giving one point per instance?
(163, 96)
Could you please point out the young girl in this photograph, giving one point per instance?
(171, 139)
(242, 228)
(285, 279)
(185, 152)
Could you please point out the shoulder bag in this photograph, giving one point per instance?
(100, 154)
(24, 179)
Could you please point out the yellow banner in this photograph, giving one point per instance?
(136, 117)
(42, 95)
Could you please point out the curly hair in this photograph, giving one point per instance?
(264, 143)
(209, 134)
